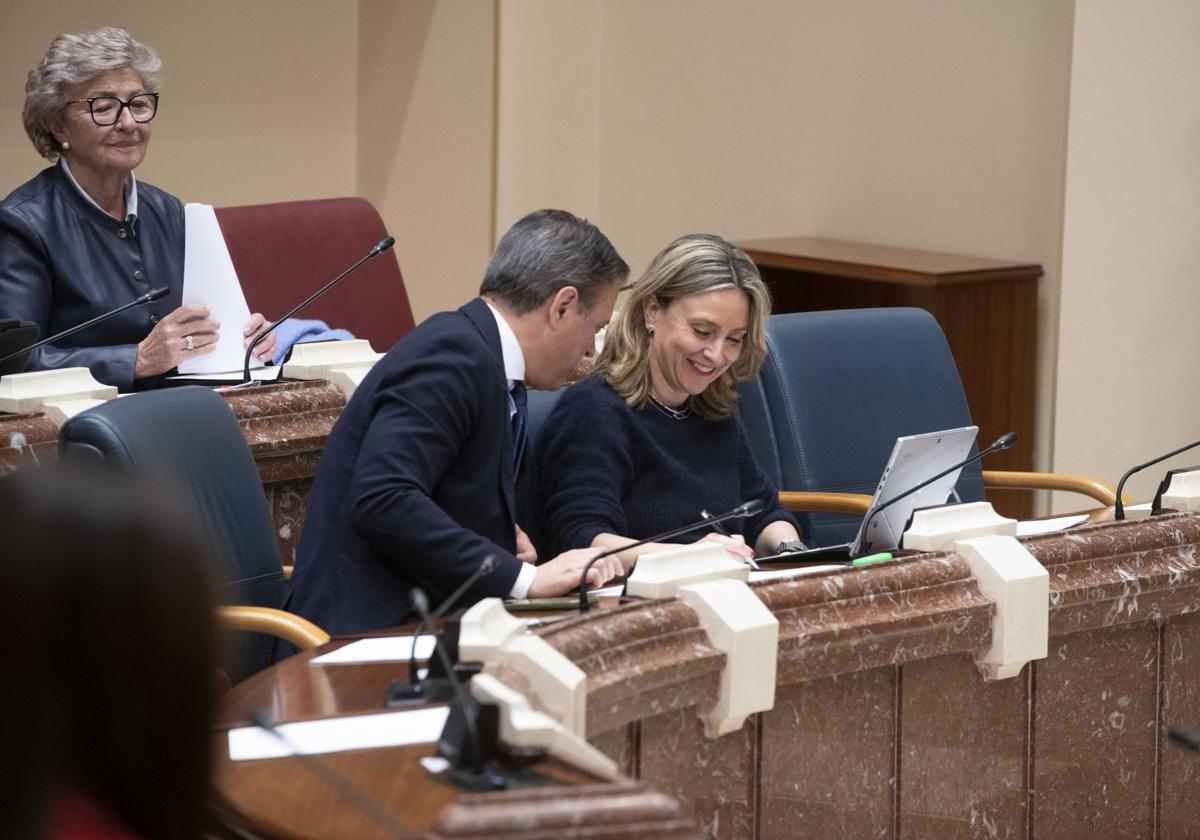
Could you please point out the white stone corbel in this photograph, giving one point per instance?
(1183, 493)
(739, 625)
(487, 633)
(344, 363)
(484, 629)
(936, 529)
(522, 726)
(556, 684)
(659, 574)
(1019, 585)
(59, 394)
(714, 585)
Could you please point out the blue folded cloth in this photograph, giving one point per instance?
(298, 331)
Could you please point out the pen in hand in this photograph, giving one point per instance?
(716, 526)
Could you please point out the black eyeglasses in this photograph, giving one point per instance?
(106, 110)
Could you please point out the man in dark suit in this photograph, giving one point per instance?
(416, 482)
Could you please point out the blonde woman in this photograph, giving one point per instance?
(651, 440)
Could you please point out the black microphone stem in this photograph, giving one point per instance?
(146, 298)
(422, 605)
(1003, 442)
(485, 567)
(750, 508)
(384, 244)
(1119, 510)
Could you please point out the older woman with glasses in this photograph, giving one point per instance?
(651, 441)
(85, 236)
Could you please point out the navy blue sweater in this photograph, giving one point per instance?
(607, 468)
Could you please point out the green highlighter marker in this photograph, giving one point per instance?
(872, 559)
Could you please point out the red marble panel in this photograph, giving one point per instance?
(827, 765)
(26, 440)
(1095, 715)
(963, 751)
(621, 745)
(713, 778)
(1179, 774)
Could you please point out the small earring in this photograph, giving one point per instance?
(66, 145)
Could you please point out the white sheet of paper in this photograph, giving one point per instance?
(384, 649)
(209, 279)
(773, 574)
(1048, 526)
(261, 374)
(359, 732)
(607, 591)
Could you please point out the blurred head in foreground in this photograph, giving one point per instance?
(110, 657)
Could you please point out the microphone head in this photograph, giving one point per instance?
(750, 508)
(384, 244)
(419, 601)
(1005, 440)
(487, 565)
(155, 294)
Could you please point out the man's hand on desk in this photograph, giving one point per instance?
(561, 575)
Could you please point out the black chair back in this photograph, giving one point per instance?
(836, 391)
(189, 439)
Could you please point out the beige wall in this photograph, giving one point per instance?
(1128, 353)
(425, 139)
(932, 123)
(937, 124)
(230, 129)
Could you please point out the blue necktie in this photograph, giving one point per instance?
(520, 403)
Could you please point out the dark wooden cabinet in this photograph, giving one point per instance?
(987, 308)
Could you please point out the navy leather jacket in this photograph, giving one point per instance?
(63, 261)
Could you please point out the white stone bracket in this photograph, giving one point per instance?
(1183, 493)
(739, 625)
(484, 628)
(1019, 585)
(938, 528)
(344, 363)
(488, 634)
(60, 394)
(523, 726)
(660, 574)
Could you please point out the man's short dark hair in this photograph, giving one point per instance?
(545, 251)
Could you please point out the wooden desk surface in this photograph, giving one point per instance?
(285, 797)
(881, 262)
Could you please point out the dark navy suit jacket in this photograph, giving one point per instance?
(415, 485)
(64, 261)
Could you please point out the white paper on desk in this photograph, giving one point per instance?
(209, 279)
(359, 732)
(1033, 527)
(260, 374)
(383, 649)
(608, 591)
(774, 574)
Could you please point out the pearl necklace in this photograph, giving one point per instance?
(673, 413)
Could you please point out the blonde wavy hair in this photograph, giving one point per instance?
(691, 265)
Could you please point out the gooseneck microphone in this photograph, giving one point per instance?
(750, 508)
(152, 295)
(383, 245)
(472, 752)
(1119, 509)
(1005, 441)
(416, 690)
